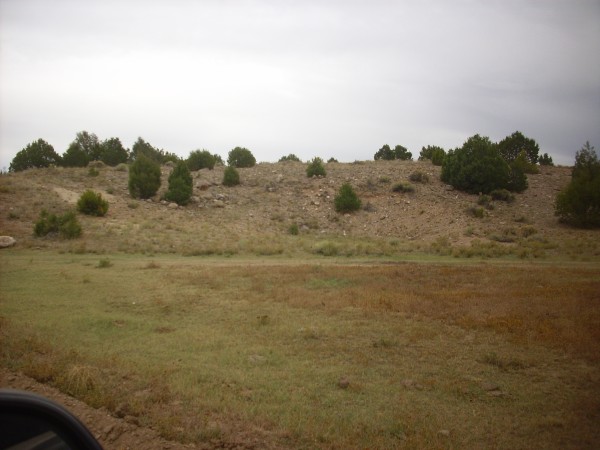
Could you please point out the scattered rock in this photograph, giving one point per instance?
(203, 185)
(489, 386)
(218, 203)
(412, 384)
(173, 205)
(445, 433)
(343, 383)
(7, 241)
(256, 359)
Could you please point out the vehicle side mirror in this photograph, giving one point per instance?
(33, 422)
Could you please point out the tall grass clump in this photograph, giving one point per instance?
(502, 195)
(419, 177)
(92, 204)
(403, 187)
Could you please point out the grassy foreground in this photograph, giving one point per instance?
(315, 354)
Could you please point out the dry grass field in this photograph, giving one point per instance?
(410, 324)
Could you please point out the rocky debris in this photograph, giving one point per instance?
(203, 185)
(7, 241)
(445, 433)
(489, 386)
(173, 205)
(412, 384)
(492, 389)
(343, 383)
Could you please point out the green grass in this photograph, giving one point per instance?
(198, 347)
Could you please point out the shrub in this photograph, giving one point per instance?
(434, 153)
(485, 201)
(545, 160)
(241, 157)
(438, 156)
(403, 187)
(346, 200)
(293, 229)
(476, 212)
(419, 177)
(112, 152)
(518, 180)
(427, 152)
(387, 153)
(326, 248)
(402, 153)
(231, 177)
(290, 157)
(502, 195)
(104, 264)
(92, 204)
(180, 185)
(36, 154)
(315, 168)
(512, 146)
(201, 159)
(332, 160)
(476, 167)
(67, 225)
(144, 177)
(122, 167)
(579, 203)
(93, 172)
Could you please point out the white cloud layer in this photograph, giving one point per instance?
(314, 78)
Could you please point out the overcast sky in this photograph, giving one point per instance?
(335, 78)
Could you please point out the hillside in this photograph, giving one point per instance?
(254, 218)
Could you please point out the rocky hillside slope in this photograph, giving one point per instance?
(255, 217)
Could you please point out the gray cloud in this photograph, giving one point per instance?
(314, 78)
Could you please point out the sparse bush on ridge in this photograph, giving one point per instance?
(201, 159)
(37, 154)
(545, 160)
(241, 157)
(290, 157)
(92, 204)
(315, 168)
(386, 153)
(511, 148)
(433, 153)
